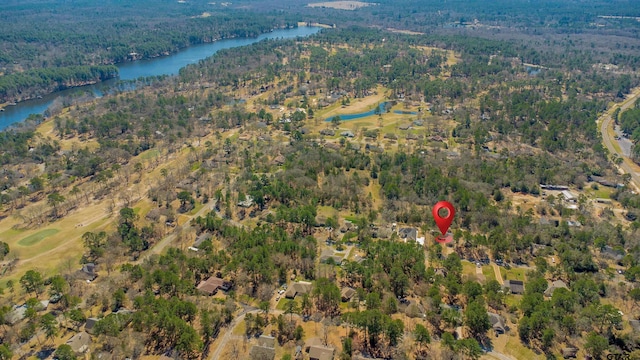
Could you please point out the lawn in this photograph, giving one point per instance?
(512, 300)
(149, 154)
(37, 237)
(517, 350)
(513, 274)
(488, 273)
(468, 268)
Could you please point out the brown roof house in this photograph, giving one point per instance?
(515, 286)
(264, 350)
(553, 286)
(298, 288)
(80, 342)
(212, 284)
(317, 351)
(347, 293)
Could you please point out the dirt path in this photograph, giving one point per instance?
(606, 121)
(496, 270)
(500, 356)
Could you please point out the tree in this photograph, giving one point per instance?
(54, 199)
(49, 325)
(476, 318)
(77, 317)
(335, 121)
(118, 299)
(422, 336)
(4, 249)
(595, 344)
(547, 338)
(290, 307)
(470, 348)
(32, 281)
(5, 352)
(58, 285)
(95, 243)
(185, 198)
(65, 352)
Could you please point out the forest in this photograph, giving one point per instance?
(231, 170)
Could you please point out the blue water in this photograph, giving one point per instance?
(382, 108)
(166, 65)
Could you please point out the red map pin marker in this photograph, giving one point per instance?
(443, 222)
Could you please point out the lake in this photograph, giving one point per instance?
(166, 65)
(382, 107)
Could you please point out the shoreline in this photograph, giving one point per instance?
(18, 101)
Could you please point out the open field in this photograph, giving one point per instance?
(341, 5)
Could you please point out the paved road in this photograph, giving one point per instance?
(605, 122)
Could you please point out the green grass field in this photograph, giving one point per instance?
(11, 233)
(37, 237)
(149, 154)
(488, 273)
(513, 274)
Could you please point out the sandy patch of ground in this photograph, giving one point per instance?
(341, 5)
(408, 32)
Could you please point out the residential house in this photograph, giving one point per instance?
(258, 352)
(554, 187)
(279, 160)
(515, 286)
(613, 254)
(298, 288)
(88, 272)
(80, 342)
(247, 202)
(317, 351)
(569, 196)
(327, 132)
(404, 127)
(536, 249)
(347, 134)
(329, 254)
(569, 353)
(553, 286)
(15, 315)
(202, 238)
(90, 324)
(408, 234)
(497, 323)
(265, 349)
(267, 341)
(332, 146)
(347, 293)
(212, 284)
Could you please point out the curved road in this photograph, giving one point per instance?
(605, 123)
